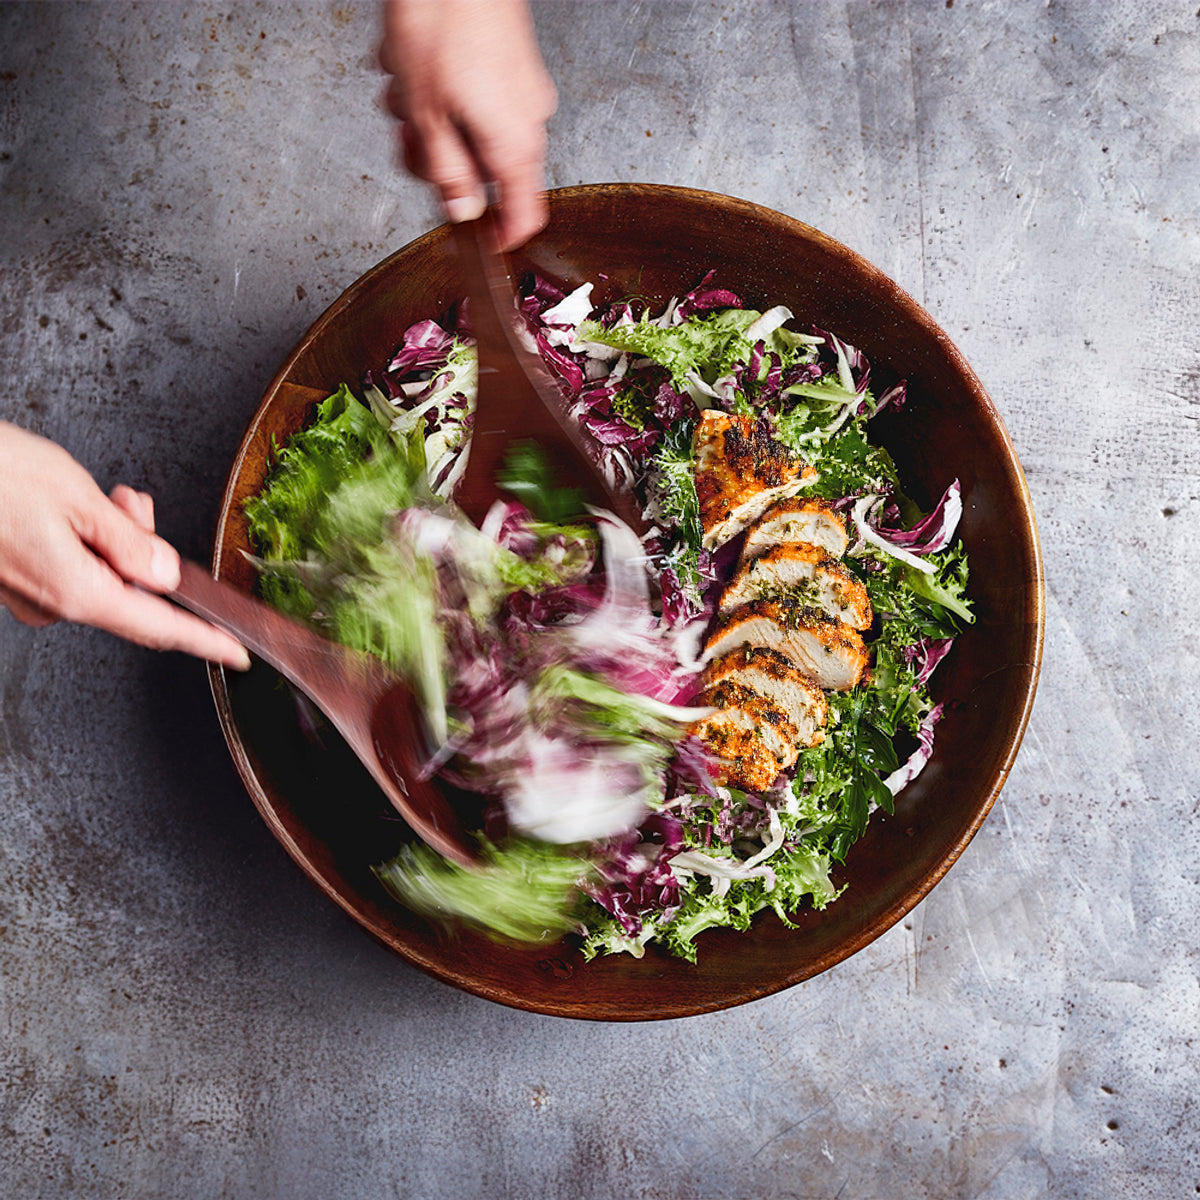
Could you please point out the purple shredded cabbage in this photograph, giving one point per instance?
(924, 655)
(896, 397)
(860, 369)
(670, 405)
(425, 347)
(567, 367)
(677, 607)
(636, 875)
(703, 298)
(934, 532)
(537, 295)
(912, 767)
(693, 769)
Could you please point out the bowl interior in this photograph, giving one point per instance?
(656, 242)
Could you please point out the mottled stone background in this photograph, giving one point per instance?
(183, 1016)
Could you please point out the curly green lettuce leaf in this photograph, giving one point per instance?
(946, 587)
(797, 879)
(674, 505)
(700, 345)
(671, 484)
(709, 346)
(847, 462)
(815, 410)
(281, 518)
(915, 604)
(524, 890)
(321, 527)
(389, 608)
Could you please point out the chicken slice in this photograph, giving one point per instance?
(744, 760)
(803, 574)
(792, 520)
(828, 651)
(778, 733)
(776, 677)
(741, 470)
(749, 733)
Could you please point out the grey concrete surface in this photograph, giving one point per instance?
(184, 188)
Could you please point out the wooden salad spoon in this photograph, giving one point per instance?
(518, 401)
(372, 708)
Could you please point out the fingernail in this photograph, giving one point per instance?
(464, 208)
(164, 567)
(242, 661)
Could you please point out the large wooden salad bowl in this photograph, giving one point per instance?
(655, 242)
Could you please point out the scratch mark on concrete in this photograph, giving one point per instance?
(966, 928)
(808, 1116)
(912, 79)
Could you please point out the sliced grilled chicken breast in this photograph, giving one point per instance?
(792, 520)
(802, 574)
(741, 470)
(828, 651)
(732, 735)
(776, 677)
(777, 732)
(749, 733)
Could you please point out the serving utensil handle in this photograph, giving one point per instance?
(370, 707)
(316, 666)
(518, 399)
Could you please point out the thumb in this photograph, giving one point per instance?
(134, 552)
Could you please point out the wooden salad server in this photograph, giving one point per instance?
(518, 400)
(372, 708)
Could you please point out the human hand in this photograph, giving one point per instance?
(473, 97)
(68, 552)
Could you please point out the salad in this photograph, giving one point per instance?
(665, 733)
